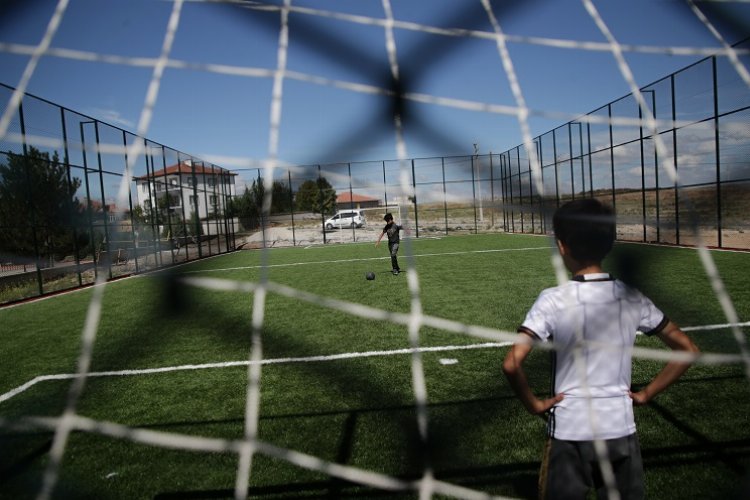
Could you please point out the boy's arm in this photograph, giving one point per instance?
(676, 340)
(379, 238)
(513, 369)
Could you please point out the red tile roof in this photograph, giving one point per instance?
(353, 198)
(186, 168)
(96, 206)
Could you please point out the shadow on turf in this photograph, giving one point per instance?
(730, 454)
(480, 477)
(368, 392)
(25, 462)
(520, 477)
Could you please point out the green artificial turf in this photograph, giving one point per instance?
(353, 410)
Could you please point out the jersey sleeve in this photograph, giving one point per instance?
(540, 319)
(652, 319)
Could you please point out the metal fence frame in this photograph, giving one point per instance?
(702, 114)
(706, 99)
(94, 155)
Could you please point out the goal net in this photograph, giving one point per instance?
(403, 106)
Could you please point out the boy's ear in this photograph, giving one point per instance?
(562, 247)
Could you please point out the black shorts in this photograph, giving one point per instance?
(570, 469)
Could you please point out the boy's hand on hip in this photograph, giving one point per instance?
(639, 398)
(542, 406)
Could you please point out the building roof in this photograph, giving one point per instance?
(96, 206)
(348, 197)
(186, 168)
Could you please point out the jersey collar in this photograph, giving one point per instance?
(593, 277)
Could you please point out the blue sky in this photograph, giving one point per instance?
(212, 114)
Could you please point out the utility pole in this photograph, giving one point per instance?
(479, 181)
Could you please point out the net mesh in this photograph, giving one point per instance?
(250, 445)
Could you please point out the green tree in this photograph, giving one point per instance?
(247, 207)
(316, 196)
(40, 216)
(281, 195)
(281, 201)
(307, 196)
(141, 224)
(167, 218)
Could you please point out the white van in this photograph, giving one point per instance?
(346, 218)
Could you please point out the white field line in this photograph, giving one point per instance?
(228, 364)
(183, 264)
(371, 313)
(309, 359)
(343, 261)
(496, 250)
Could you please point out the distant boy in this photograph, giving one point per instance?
(592, 321)
(392, 230)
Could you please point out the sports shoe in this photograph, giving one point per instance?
(396, 271)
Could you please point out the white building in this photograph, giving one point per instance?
(189, 187)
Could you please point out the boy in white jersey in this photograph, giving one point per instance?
(592, 321)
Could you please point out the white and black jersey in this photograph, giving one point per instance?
(604, 314)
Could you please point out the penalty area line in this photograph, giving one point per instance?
(309, 359)
(229, 364)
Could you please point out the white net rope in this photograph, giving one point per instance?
(250, 445)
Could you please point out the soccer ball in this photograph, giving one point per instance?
(370, 276)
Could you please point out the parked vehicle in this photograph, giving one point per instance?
(346, 218)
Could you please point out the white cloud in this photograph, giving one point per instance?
(112, 117)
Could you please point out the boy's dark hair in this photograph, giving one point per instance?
(388, 217)
(587, 227)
